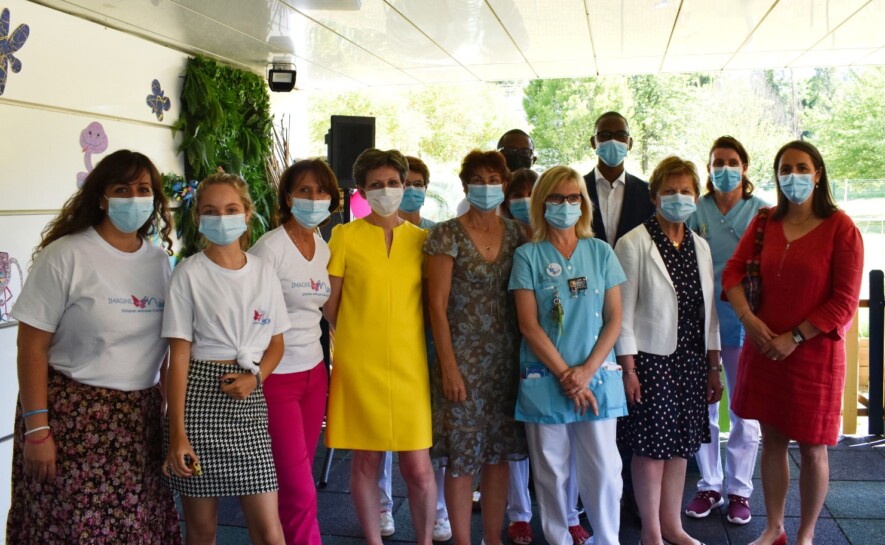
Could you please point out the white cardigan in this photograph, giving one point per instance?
(649, 298)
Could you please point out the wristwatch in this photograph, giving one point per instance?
(798, 337)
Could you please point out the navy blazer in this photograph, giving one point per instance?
(637, 206)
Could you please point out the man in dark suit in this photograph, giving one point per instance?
(621, 201)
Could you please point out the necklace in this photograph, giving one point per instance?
(218, 259)
(297, 245)
(798, 223)
(564, 248)
(482, 232)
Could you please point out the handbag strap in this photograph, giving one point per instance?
(755, 263)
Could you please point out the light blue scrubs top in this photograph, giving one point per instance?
(723, 233)
(426, 223)
(541, 268)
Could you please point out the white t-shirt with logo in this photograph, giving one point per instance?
(224, 312)
(306, 289)
(104, 308)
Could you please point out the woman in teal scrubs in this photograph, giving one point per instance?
(568, 300)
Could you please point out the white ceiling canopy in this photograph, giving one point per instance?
(357, 43)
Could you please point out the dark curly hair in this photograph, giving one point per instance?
(83, 209)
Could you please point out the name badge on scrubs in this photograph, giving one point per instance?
(577, 285)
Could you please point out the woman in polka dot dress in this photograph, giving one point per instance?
(668, 348)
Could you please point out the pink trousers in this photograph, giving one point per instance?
(296, 404)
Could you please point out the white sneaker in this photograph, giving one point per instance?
(387, 526)
(442, 530)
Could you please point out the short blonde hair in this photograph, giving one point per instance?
(547, 184)
(673, 166)
(223, 178)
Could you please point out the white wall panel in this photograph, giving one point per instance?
(73, 72)
(43, 155)
(74, 64)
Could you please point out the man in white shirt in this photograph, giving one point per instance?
(620, 200)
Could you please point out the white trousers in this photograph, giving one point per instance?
(519, 501)
(742, 446)
(597, 465)
(385, 486)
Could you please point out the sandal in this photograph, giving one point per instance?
(520, 533)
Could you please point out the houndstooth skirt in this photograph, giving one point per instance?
(229, 437)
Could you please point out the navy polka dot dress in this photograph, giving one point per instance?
(672, 418)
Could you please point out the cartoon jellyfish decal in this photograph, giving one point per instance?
(93, 139)
(157, 101)
(9, 44)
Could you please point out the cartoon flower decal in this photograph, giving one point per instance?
(157, 101)
(9, 44)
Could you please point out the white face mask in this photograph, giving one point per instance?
(385, 201)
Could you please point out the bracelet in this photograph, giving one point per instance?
(258, 378)
(630, 371)
(32, 413)
(38, 441)
(35, 430)
(715, 368)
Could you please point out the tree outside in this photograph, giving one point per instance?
(839, 110)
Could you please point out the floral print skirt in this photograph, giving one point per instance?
(107, 488)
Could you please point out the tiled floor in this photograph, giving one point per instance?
(854, 511)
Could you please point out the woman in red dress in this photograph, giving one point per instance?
(793, 371)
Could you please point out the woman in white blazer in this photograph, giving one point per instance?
(668, 348)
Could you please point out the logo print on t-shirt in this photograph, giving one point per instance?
(260, 319)
(141, 304)
(318, 285)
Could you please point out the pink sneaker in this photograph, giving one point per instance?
(738, 509)
(703, 503)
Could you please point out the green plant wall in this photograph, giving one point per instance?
(225, 123)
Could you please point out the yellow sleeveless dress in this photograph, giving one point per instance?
(379, 396)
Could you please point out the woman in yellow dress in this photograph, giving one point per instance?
(379, 396)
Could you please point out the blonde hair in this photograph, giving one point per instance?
(223, 178)
(673, 166)
(547, 184)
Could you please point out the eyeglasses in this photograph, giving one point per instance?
(602, 136)
(524, 152)
(556, 198)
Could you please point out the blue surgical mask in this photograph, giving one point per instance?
(562, 216)
(413, 199)
(612, 152)
(677, 208)
(310, 213)
(726, 179)
(222, 230)
(485, 197)
(129, 214)
(797, 187)
(519, 209)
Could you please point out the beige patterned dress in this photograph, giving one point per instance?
(485, 339)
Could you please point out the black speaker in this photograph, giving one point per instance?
(347, 138)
